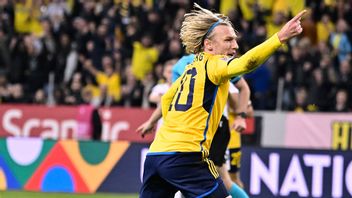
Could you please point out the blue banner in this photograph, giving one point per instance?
(296, 173)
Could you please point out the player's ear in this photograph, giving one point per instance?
(208, 45)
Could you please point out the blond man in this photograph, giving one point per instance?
(192, 108)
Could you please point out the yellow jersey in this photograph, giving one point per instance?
(194, 104)
(143, 59)
(112, 83)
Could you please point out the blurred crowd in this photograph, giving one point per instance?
(112, 52)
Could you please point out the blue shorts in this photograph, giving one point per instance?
(165, 174)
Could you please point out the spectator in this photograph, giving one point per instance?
(345, 74)
(27, 14)
(301, 104)
(56, 11)
(73, 94)
(132, 90)
(108, 80)
(324, 28)
(278, 20)
(39, 97)
(319, 92)
(67, 59)
(17, 94)
(30, 64)
(144, 56)
(340, 42)
(341, 101)
(91, 92)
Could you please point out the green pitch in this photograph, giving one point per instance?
(18, 194)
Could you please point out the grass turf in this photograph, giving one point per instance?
(22, 194)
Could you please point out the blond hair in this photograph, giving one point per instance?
(198, 25)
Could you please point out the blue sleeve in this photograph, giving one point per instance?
(234, 80)
(180, 66)
(177, 71)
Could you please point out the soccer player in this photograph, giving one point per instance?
(192, 107)
(222, 136)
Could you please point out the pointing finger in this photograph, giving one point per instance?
(299, 15)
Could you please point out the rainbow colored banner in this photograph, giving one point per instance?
(35, 164)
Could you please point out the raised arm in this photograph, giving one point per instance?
(88, 65)
(256, 56)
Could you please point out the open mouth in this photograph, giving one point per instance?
(231, 54)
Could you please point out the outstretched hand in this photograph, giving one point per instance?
(145, 128)
(291, 28)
